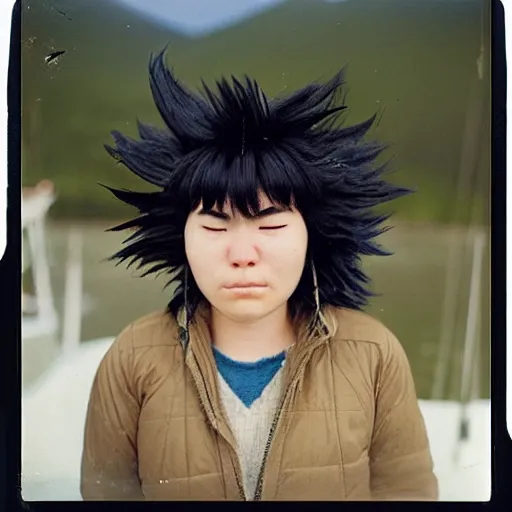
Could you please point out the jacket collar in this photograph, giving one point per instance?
(196, 342)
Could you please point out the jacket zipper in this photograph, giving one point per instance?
(259, 485)
(237, 469)
(203, 401)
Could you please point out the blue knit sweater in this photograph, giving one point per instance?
(248, 380)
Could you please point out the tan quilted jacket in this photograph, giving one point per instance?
(349, 426)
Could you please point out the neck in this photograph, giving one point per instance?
(254, 340)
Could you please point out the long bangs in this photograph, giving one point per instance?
(240, 183)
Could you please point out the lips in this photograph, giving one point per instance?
(244, 285)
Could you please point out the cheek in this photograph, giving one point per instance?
(201, 261)
(289, 253)
(206, 256)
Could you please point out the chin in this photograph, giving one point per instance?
(246, 310)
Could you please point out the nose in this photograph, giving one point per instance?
(242, 251)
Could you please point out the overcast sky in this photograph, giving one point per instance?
(200, 16)
(195, 17)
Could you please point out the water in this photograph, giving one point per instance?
(411, 284)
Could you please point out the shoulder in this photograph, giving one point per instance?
(143, 353)
(358, 331)
(370, 356)
(354, 325)
(155, 329)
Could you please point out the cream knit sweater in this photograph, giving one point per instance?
(251, 426)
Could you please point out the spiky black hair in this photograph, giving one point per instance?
(226, 147)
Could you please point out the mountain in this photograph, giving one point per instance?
(70, 105)
(103, 43)
(415, 62)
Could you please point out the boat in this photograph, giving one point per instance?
(39, 315)
(40, 321)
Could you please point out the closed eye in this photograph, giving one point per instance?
(273, 227)
(214, 229)
(266, 228)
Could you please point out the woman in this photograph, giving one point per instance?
(263, 380)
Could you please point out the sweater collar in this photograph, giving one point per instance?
(200, 358)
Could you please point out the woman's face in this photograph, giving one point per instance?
(246, 268)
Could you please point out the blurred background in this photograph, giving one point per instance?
(422, 66)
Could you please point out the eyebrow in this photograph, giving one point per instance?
(214, 213)
(271, 210)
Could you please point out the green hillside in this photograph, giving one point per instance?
(415, 62)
